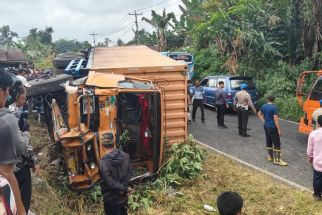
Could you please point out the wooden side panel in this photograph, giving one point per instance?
(173, 85)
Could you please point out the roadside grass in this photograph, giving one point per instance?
(262, 195)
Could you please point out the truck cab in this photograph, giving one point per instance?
(312, 101)
(128, 109)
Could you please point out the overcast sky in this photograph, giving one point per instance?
(76, 19)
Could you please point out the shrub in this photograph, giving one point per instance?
(185, 162)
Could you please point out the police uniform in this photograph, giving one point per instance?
(243, 102)
(197, 101)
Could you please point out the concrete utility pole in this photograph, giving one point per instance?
(93, 34)
(136, 24)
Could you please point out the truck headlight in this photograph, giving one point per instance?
(92, 165)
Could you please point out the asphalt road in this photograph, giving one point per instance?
(253, 149)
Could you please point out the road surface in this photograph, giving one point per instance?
(253, 149)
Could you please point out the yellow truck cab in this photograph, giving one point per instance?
(127, 109)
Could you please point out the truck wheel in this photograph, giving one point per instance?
(49, 85)
(61, 63)
(58, 71)
(62, 60)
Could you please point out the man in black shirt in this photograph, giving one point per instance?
(116, 172)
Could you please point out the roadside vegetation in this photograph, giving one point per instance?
(272, 41)
(190, 178)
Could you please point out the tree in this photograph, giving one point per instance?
(63, 45)
(120, 42)
(161, 22)
(192, 12)
(7, 37)
(45, 36)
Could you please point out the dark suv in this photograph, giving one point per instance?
(232, 86)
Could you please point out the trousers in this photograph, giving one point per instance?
(120, 209)
(221, 114)
(23, 177)
(198, 103)
(242, 120)
(272, 138)
(317, 183)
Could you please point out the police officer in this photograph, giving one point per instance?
(243, 102)
(197, 101)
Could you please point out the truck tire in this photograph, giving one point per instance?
(62, 60)
(58, 71)
(61, 63)
(71, 55)
(49, 85)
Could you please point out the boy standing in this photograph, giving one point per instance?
(314, 154)
(116, 172)
(268, 114)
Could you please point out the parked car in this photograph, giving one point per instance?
(232, 86)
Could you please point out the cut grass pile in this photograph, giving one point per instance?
(262, 195)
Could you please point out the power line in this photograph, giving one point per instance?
(118, 24)
(151, 6)
(126, 32)
(163, 7)
(120, 29)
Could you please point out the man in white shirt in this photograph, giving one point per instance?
(197, 101)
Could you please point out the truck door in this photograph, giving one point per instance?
(156, 130)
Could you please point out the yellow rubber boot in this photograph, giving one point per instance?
(270, 156)
(277, 158)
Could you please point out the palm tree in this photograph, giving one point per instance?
(161, 22)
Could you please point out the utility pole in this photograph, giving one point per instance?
(93, 34)
(136, 24)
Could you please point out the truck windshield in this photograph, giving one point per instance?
(135, 84)
(235, 83)
(316, 93)
(182, 57)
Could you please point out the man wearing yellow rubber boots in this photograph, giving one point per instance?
(268, 114)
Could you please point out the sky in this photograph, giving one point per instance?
(77, 19)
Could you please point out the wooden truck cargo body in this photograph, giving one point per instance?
(167, 74)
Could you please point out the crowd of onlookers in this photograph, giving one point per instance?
(30, 74)
(16, 154)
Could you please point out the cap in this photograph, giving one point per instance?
(243, 86)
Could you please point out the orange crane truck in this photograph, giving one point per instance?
(312, 100)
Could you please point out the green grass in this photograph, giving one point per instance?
(262, 194)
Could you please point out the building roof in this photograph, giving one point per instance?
(12, 55)
(131, 57)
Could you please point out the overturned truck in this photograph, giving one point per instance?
(137, 114)
(127, 110)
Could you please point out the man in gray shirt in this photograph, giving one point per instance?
(12, 141)
(221, 104)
